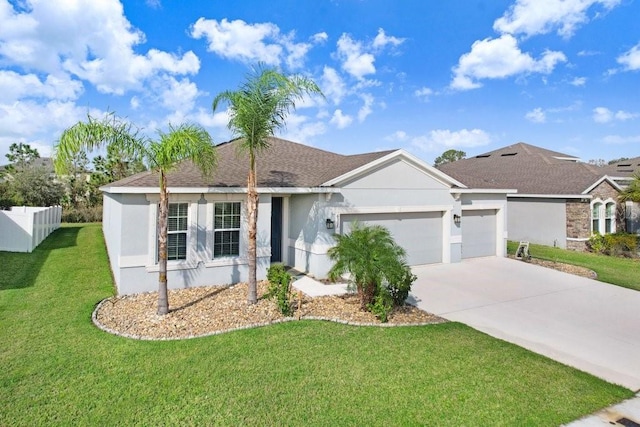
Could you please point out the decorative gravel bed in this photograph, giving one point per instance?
(566, 268)
(212, 310)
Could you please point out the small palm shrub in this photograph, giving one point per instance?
(377, 268)
(616, 244)
(280, 288)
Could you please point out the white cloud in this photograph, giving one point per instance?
(319, 38)
(219, 119)
(300, 129)
(397, 136)
(604, 115)
(15, 86)
(499, 58)
(423, 93)
(249, 43)
(332, 85)
(366, 109)
(537, 115)
(532, 17)
(630, 60)
(340, 120)
(381, 40)
(444, 138)
(355, 60)
(578, 81)
(617, 139)
(55, 38)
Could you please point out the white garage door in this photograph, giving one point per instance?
(419, 233)
(478, 233)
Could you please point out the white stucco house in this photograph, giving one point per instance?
(306, 196)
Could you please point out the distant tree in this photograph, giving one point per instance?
(115, 166)
(449, 156)
(258, 109)
(610, 162)
(21, 155)
(27, 184)
(35, 186)
(597, 162)
(184, 142)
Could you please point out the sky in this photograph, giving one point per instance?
(422, 75)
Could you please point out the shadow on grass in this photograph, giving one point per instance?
(20, 270)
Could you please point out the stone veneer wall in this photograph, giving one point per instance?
(579, 215)
(578, 223)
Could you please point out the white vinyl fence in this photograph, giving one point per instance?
(23, 228)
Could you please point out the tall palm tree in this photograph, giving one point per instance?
(184, 142)
(258, 109)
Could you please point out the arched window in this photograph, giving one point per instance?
(595, 217)
(603, 216)
(610, 218)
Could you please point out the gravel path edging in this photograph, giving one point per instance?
(104, 328)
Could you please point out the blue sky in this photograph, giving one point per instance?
(422, 75)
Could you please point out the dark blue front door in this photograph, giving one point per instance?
(276, 229)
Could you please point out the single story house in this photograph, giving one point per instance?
(560, 201)
(306, 195)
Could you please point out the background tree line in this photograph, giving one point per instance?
(30, 180)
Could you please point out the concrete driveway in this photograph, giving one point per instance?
(589, 325)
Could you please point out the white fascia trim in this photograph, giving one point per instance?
(440, 176)
(392, 209)
(219, 190)
(600, 181)
(483, 190)
(482, 206)
(550, 196)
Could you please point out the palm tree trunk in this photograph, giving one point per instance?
(163, 298)
(252, 210)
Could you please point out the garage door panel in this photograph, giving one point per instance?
(478, 228)
(419, 233)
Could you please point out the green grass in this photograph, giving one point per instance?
(618, 271)
(56, 368)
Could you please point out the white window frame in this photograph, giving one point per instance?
(192, 232)
(601, 206)
(222, 230)
(241, 259)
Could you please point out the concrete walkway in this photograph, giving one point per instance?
(592, 326)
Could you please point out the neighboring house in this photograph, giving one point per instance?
(306, 195)
(560, 200)
(622, 173)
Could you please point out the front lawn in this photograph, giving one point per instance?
(618, 271)
(56, 368)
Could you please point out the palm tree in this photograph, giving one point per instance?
(371, 256)
(258, 109)
(632, 192)
(184, 142)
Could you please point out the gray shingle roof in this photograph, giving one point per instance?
(526, 168)
(623, 168)
(284, 164)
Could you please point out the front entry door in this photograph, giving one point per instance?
(276, 229)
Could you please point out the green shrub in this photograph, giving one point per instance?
(82, 214)
(280, 288)
(615, 244)
(399, 287)
(382, 305)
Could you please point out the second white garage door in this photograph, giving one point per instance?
(419, 233)
(478, 229)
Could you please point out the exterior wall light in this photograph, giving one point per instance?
(330, 224)
(456, 219)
